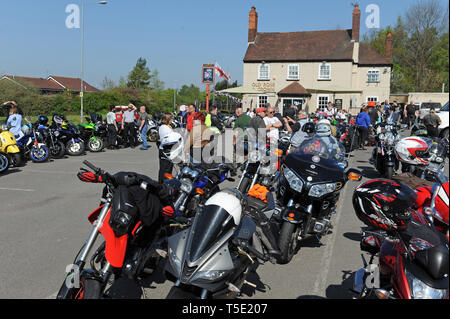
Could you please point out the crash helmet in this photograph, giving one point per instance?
(42, 120)
(172, 145)
(384, 204)
(58, 118)
(309, 127)
(413, 150)
(323, 128)
(26, 129)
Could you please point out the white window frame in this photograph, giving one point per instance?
(290, 76)
(320, 76)
(259, 100)
(371, 98)
(268, 72)
(326, 103)
(372, 73)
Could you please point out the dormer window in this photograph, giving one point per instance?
(263, 72)
(325, 71)
(292, 72)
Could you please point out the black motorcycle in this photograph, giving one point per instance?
(308, 189)
(69, 134)
(383, 155)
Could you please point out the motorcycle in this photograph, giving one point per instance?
(308, 189)
(94, 132)
(50, 138)
(133, 227)
(211, 258)
(69, 134)
(412, 264)
(30, 147)
(383, 156)
(8, 146)
(196, 182)
(422, 156)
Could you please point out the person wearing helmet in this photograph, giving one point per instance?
(324, 131)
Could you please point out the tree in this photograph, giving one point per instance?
(140, 76)
(108, 84)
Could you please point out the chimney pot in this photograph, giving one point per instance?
(388, 52)
(356, 23)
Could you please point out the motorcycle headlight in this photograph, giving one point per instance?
(186, 170)
(56, 133)
(381, 136)
(439, 159)
(295, 182)
(186, 185)
(210, 275)
(322, 189)
(419, 290)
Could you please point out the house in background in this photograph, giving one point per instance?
(52, 85)
(311, 68)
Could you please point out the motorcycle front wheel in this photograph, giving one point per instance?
(4, 162)
(96, 144)
(39, 154)
(288, 242)
(75, 148)
(58, 150)
(152, 136)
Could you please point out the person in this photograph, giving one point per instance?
(15, 121)
(198, 137)
(290, 112)
(295, 126)
(392, 117)
(386, 106)
(432, 122)
(374, 113)
(112, 128)
(143, 126)
(363, 123)
(240, 126)
(257, 126)
(341, 115)
(410, 113)
(272, 125)
(190, 117)
(165, 165)
(324, 131)
(278, 115)
(128, 125)
(331, 110)
(212, 120)
(182, 115)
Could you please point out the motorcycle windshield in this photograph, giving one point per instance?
(326, 147)
(210, 225)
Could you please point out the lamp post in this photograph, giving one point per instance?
(83, 4)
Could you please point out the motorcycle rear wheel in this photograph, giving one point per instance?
(16, 159)
(153, 136)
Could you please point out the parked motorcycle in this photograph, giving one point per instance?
(69, 134)
(93, 132)
(8, 146)
(196, 182)
(50, 137)
(413, 258)
(211, 258)
(308, 190)
(29, 145)
(383, 155)
(133, 227)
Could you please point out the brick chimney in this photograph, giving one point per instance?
(388, 52)
(356, 23)
(252, 24)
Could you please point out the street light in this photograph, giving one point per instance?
(82, 55)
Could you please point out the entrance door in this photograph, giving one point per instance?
(297, 102)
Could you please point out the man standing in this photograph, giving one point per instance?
(257, 127)
(410, 113)
(432, 122)
(272, 125)
(240, 126)
(190, 117)
(112, 128)
(363, 124)
(294, 126)
(213, 121)
(143, 126)
(128, 125)
(386, 106)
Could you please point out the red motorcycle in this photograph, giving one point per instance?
(133, 227)
(413, 259)
(433, 203)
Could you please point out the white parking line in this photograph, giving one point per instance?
(17, 189)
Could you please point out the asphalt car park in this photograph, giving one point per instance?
(43, 224)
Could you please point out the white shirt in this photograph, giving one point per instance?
(164, 130)
(273, 133)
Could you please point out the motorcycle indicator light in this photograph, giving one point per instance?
(199, 191)
(354, 177)
(168, 176)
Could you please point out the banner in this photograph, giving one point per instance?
(220, 72)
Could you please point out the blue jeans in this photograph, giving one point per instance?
(144, 136)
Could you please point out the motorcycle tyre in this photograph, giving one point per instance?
(285, 242)
(79, 152)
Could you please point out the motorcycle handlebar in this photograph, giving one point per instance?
(91, 166)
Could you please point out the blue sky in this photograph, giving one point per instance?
(176, 37)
